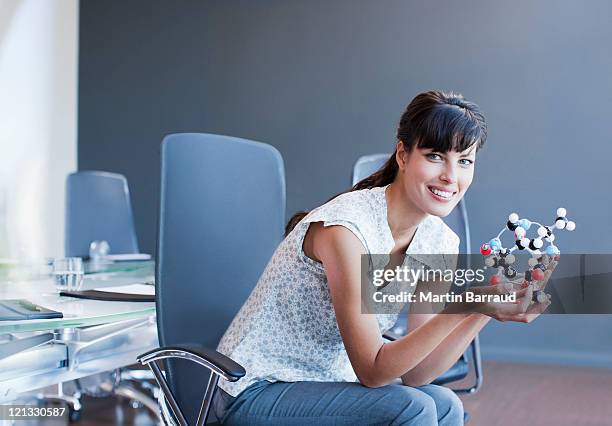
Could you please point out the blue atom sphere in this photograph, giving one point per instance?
(525, 224)
(552, 251)
(495, 244)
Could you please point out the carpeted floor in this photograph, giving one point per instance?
(540, 395)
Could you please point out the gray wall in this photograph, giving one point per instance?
(326, 82)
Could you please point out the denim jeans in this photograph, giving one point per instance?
(338, 403)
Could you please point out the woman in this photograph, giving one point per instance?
(311, 355)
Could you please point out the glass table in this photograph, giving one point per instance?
(93, 336)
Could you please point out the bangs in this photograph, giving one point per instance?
(449, 128)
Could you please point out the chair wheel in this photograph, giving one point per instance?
(73, 415)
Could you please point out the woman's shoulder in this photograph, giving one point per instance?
(438, 237)
(359, 211)
(354, 205)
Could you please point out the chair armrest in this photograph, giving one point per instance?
(211, 359)
(390, 336)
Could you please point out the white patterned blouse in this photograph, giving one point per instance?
(287, 330)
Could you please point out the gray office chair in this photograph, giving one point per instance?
(98, 208)
(457, 220)
(221, 217)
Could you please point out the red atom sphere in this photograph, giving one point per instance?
(495, 279)
(537, 274)
(485, 250)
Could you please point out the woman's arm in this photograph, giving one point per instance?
(447, 353)
(375, 363)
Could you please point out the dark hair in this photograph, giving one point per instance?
(442, 121)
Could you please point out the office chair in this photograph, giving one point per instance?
(98, 208)
(222, 214)
(457, 220)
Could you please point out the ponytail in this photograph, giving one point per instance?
(295, 219)
(384, 176)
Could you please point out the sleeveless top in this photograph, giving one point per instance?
(287, 330)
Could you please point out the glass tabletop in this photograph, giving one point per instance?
(40, 289)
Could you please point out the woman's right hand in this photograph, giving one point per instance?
(523, 310)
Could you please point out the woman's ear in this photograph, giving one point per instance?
(400, 155)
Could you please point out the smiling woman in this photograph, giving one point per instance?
(308, 349)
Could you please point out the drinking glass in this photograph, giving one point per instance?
(68, 274)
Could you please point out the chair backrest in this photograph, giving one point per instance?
(98, 208)
(366, 165)
(457, 220)
(222, 213)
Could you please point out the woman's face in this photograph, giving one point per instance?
(434, 181)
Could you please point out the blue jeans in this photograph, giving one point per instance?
(338, 403)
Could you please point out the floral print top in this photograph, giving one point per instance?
(287, 330)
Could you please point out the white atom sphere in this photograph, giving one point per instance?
(542, 231)
(561, 212)
(510, 259)
(538, 243)
(513, 217)
(542, 297)
(551, 238)
(532, 262)
(525, 242)
(560, 224)
(489, 261)
(571, 225)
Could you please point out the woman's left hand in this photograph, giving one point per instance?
(535, 309)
